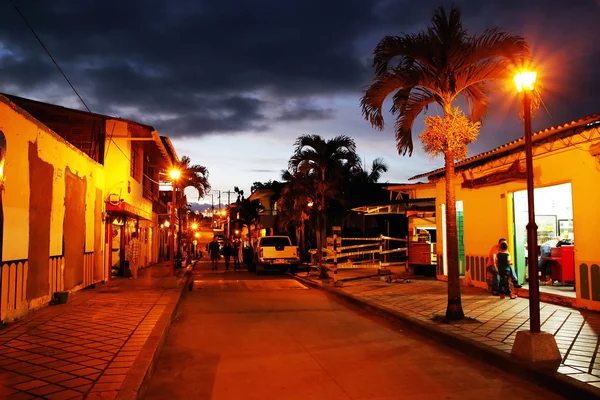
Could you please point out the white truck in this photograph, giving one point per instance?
(275, 253)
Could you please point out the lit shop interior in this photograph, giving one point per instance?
(556, 243)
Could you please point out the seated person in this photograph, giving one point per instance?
(544, 265)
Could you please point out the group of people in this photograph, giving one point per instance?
(228, 251)
(501, 271)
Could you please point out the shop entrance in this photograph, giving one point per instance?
(553, 216)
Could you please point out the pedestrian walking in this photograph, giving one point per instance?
(215, 253)
(227, 253)
(236, 254)
(133, 255)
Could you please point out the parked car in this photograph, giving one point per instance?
(275, 253)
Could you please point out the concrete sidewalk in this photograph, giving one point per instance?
(490, 329)
(101, 344)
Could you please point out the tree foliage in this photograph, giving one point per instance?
(195, 176)
(451, 134)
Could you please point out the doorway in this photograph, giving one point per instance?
(553, 216)
(74, 229)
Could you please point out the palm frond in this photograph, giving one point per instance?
(409, 49)
(372, 101)
(407, 109)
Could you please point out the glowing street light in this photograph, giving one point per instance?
(194, 225)
(525, 81)
(174, 174)
(167, 224)
(534, 345)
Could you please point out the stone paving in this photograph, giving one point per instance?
(85, 348)
(494, 321)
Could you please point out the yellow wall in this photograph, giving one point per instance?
(20, 131)
(117, 167)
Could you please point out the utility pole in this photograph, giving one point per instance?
(229, 192)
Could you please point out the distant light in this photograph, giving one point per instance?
(167, 224)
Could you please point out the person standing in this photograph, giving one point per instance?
(236, 254)
(494, 273)
(227, 252)
(134, 255)
(503, 264)
(214, 250)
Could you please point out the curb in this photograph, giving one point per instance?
(138, 377)
(551, 380)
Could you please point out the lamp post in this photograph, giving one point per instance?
(525, 82)
(174, 174)
(534, 345)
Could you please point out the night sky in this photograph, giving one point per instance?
(233, 83)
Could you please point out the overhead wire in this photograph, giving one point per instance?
(69, 82)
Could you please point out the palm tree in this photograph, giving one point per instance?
(362, 175)
(322, 162)
(294, 205)
(195, 176)
(437, 66)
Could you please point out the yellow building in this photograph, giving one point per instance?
(492, 204)
(66, 176)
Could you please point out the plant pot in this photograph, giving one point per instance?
(61, 297)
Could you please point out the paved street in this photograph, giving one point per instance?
(91, 347)
(238, 336)
(493, 322)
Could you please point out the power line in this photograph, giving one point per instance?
(49, 55)
(69, 82)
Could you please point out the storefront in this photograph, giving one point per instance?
(554, 219)
(122, 220)
(492, 204)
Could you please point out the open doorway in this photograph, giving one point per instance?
(553, 216)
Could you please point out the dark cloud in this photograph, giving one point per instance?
(193, 68)
(302, 111)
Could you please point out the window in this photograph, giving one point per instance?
(136, 161)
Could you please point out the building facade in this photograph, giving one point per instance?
(491, 203)
(69, 180)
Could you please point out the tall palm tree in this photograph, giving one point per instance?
(195, 176)
(437, 66)
(294, 205)
(322, 162)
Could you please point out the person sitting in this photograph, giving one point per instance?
(544, 264)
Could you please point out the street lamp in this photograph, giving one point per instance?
(194, 225)
(533, 345)
(174, 174)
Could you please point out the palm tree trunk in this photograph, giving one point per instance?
(454, 310)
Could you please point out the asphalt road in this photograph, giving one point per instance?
(239, 336)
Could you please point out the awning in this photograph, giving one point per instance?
(398, 207)
(128, 209)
